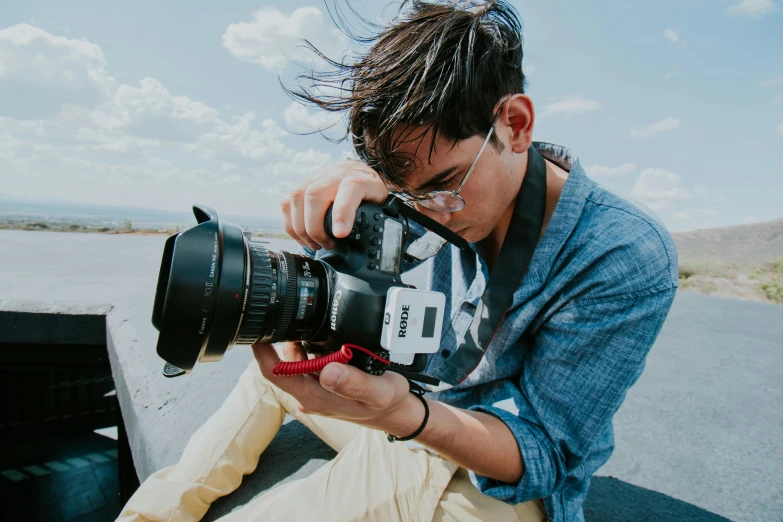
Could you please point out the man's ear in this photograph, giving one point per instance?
(518, 116)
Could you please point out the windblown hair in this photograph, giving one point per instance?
(439, 66)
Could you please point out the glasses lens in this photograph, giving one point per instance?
(443, 202)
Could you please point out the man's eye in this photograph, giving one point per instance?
(442, 185)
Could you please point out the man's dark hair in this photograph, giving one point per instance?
(437, 66)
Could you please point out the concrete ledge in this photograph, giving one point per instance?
(43, 322)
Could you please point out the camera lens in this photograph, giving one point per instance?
(216, 289)
(287, 297)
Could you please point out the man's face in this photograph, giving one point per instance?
(488, 192)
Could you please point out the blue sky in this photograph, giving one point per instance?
(677, 105)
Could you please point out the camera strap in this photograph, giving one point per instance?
(509, 269)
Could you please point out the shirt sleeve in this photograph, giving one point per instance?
(582, 362)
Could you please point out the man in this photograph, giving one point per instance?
(437, 114)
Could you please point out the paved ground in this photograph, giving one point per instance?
(698, 437)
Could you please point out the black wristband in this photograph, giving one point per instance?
(392, 438)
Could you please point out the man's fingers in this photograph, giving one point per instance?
(318, 197)
(347, 184)
(346, 202)
(285, 210)
(300, 386)
(267, 358)
(376, 391)
(297, 213)
(294, 352)
(352, 191)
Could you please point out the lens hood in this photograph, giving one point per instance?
(200, 293)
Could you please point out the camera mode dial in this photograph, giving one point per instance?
(375, 367)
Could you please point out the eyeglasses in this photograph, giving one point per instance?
(448, 200)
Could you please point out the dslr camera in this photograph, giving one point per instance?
(217, 288)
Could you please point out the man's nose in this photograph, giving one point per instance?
(441, 217)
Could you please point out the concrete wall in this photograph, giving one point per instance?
(52, 328)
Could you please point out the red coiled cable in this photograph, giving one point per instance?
(312, 366)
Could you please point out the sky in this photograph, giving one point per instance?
(674, 105)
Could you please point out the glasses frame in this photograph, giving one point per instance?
(427, 198)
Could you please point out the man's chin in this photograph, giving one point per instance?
(466, 234)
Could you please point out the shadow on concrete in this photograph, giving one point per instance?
(612, 500)
(293, 454)
(296, 453)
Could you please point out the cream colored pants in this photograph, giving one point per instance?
(369, 479)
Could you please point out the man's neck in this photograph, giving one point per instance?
(494, 241)
(555, 180)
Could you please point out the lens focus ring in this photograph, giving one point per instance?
(289, 300)
(259, 295)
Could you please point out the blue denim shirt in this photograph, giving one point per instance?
(595, 296)
(581, 323)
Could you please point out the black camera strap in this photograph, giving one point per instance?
(509, 269)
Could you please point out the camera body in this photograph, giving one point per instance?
(216, 289)
(361, 271)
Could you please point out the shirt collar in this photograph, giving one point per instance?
(557, 154)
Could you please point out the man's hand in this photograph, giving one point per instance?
(346, 184)
(380, 402)
(474, 440)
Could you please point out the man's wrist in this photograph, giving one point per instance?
(405, 419)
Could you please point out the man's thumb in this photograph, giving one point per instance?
(332, 375)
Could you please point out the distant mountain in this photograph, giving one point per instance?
(14, 207)
(741, 245)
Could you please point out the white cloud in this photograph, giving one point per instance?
(751, 219)
(780, 128)
(671, 35)
(667, 124)
(102, 140)
(130, 144)
(601, 171)
(570, 105)
(53, 69)
(664, 193)
(273, 37)
(151, 111)
(773, 82)
(297, 167)
(299, 118)
(656, 185)
(752, 8)
(242, 141)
